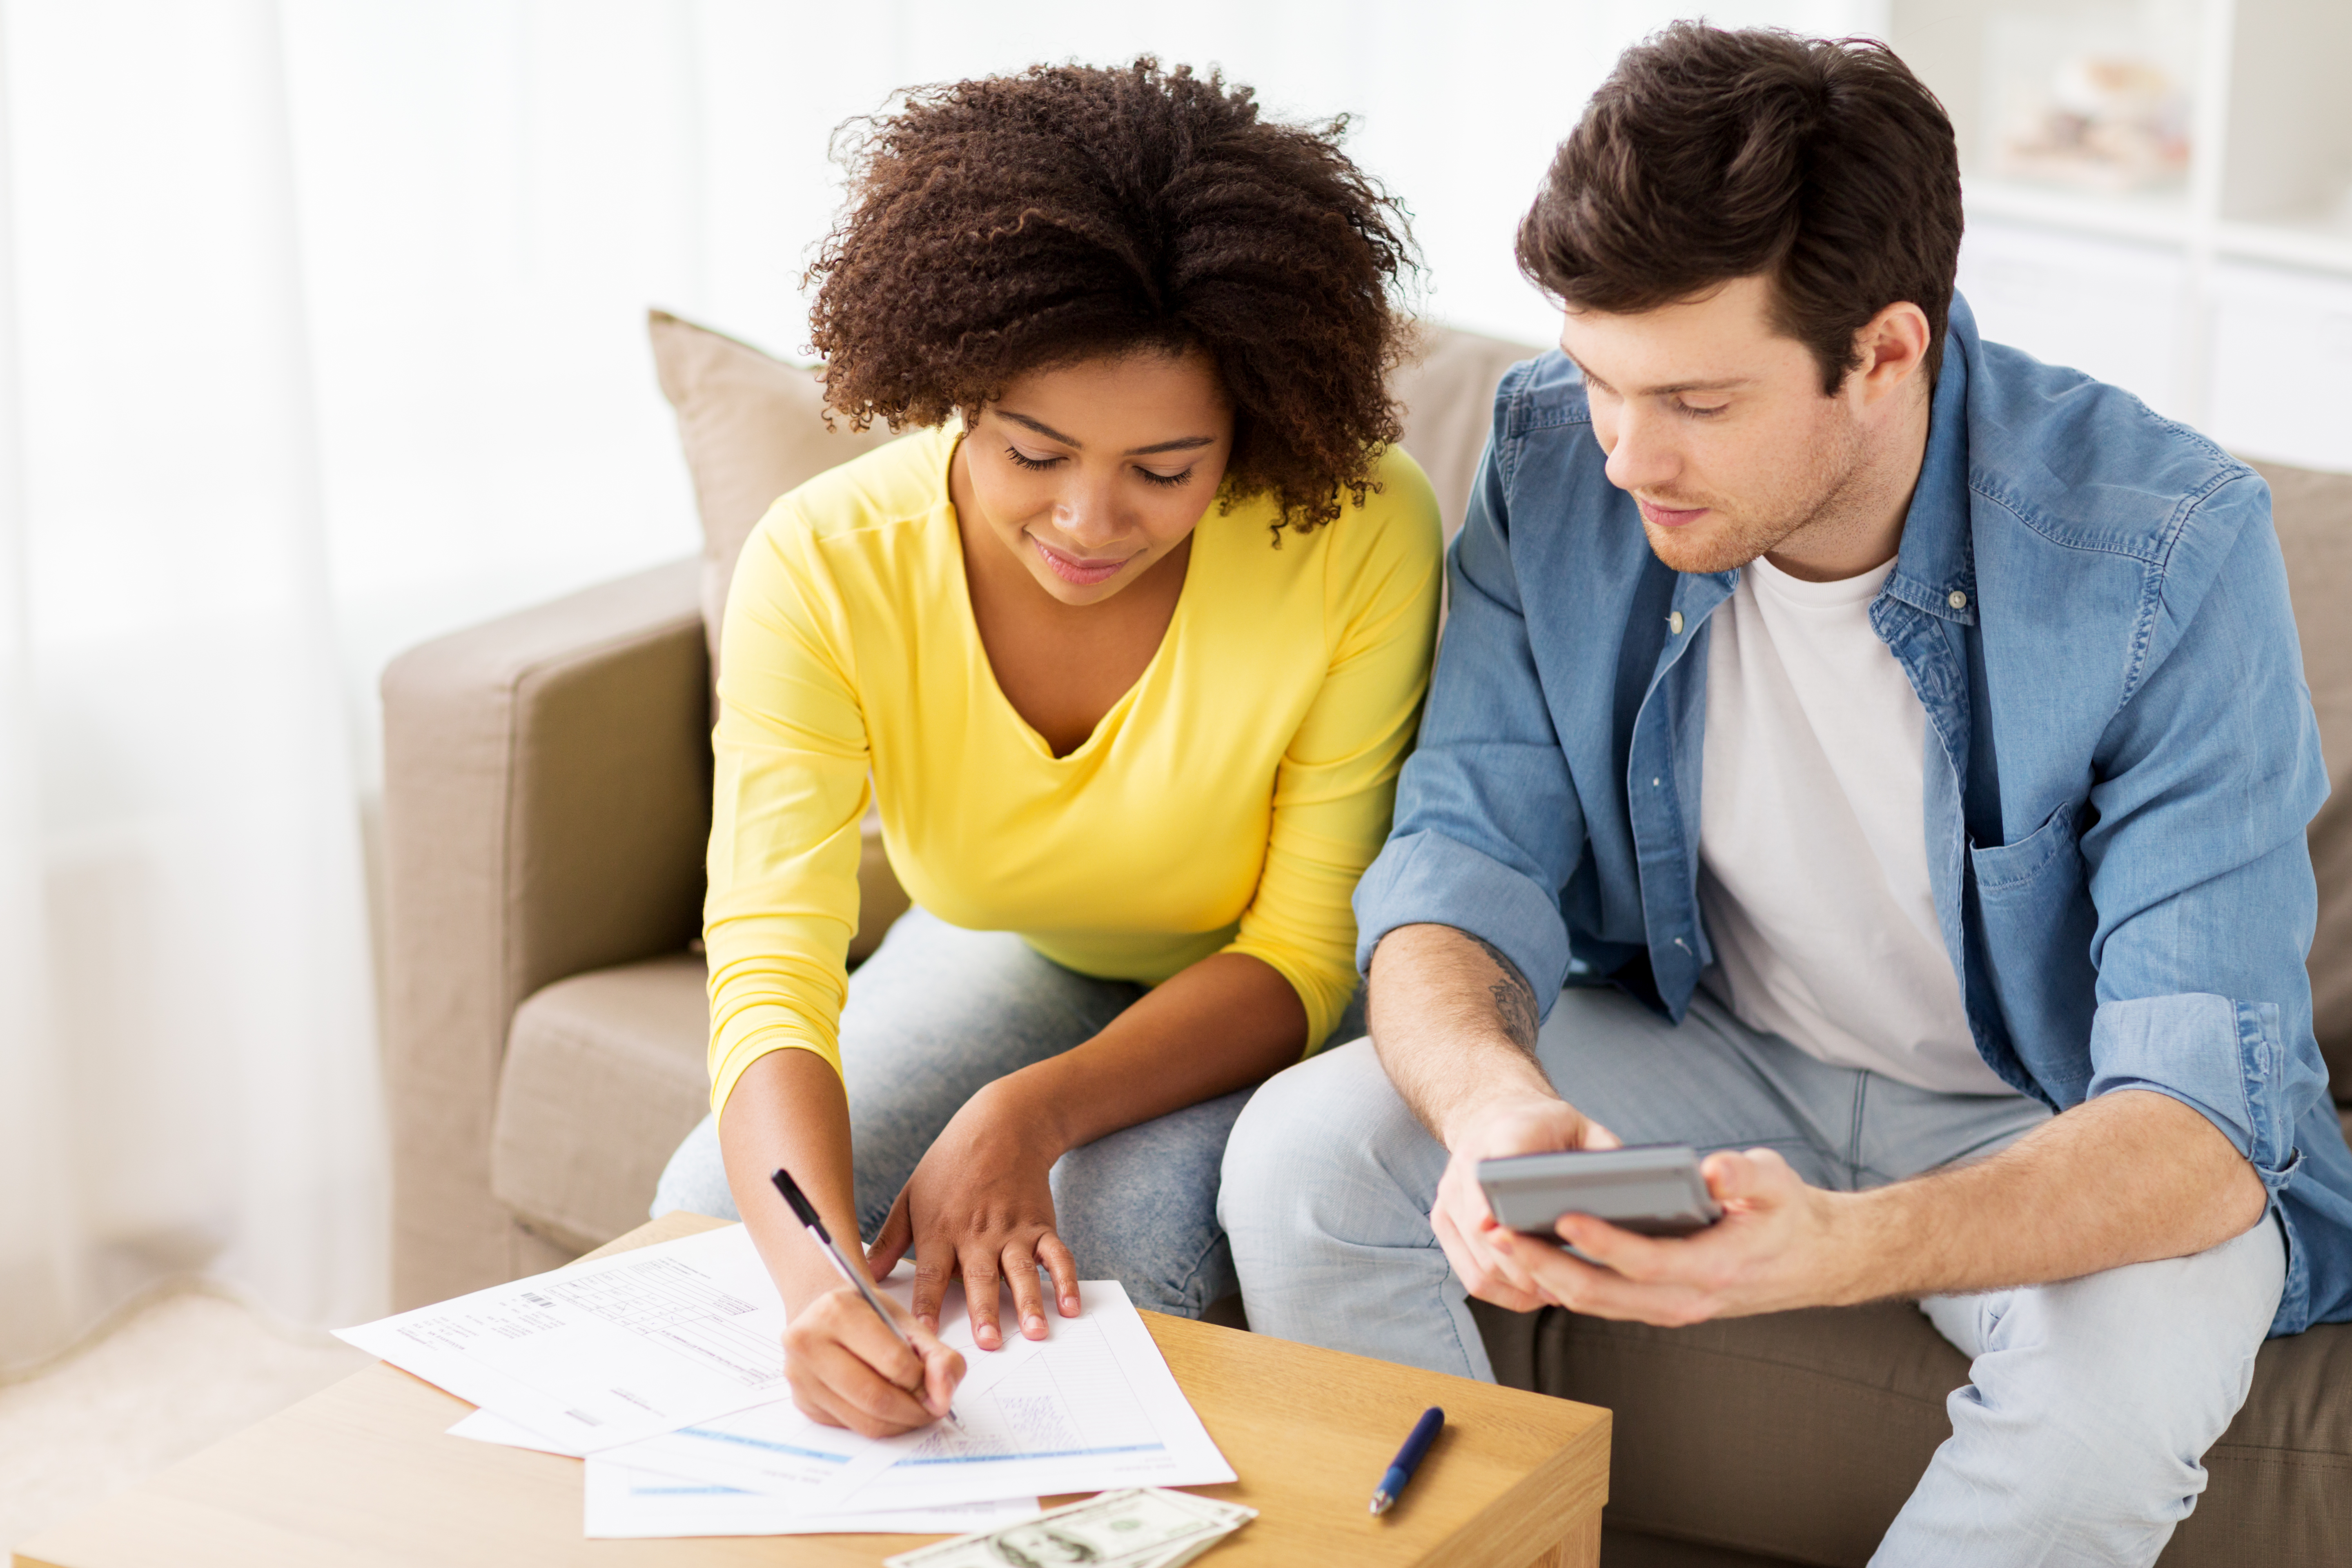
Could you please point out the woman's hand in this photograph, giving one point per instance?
(980, 1204)
(847, 1370)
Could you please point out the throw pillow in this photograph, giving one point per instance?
(753, 428)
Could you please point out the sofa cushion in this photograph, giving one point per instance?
(603, 1075)
(1448, 394)
(2314, 516)
(1798, 1435)
(753, 427)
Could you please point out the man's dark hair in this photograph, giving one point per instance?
(1013, 223)
(1709, 155)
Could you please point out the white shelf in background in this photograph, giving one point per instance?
(2162, 217)
(2321, 246)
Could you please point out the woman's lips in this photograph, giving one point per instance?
(1666, 516)
(1076, 569)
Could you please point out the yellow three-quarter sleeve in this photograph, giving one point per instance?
(790, 786)
(1336, 785)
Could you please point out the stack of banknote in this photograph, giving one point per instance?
(1143, 1527)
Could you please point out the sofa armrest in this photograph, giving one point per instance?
(547, 801)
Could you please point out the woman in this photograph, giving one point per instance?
(1131, 640)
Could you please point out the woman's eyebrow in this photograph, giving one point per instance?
(1180, 443)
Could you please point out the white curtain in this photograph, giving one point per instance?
(321, 332)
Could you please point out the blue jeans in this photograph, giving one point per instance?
(939, 1012)
(2091, 1403)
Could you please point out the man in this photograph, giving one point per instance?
(1890, 742)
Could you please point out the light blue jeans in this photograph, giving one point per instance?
(938, 1013)
(2079, 1439)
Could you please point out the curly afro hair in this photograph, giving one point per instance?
(1008, 224)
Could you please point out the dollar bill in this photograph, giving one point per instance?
(1142, 1526)
(1230, 1516)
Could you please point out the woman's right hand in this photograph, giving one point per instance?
(847, 1370)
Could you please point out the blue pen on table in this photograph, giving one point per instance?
(1408, 1459)
(805, 1212)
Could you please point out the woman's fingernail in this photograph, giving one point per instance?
(1034, 1324)
(1069, 1306)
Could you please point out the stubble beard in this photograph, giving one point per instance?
(1821, 493)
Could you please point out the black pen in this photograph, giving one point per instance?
(805, 1212)
(1408, 1459)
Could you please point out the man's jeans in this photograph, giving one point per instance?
(2091, 1405)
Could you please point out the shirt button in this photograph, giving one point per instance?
(1675, 622)
(1654, 783)
(1956, 599)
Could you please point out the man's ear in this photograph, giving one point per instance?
(1890, 351)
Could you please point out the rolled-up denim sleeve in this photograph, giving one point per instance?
(2206, 904)
(1488, 828)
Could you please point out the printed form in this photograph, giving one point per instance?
(606, 1353)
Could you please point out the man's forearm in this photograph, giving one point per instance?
(2126, 1178)
(1455, 1024)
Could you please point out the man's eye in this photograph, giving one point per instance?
(1699, 411)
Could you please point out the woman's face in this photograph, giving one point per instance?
(1091, 473)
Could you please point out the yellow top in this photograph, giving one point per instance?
(1227, 803)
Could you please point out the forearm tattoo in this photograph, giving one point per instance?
(1514, 999)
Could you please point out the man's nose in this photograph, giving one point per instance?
(1642, 457)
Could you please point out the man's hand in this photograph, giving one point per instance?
(980, 1204)
(2122, 1179)
(1778, 1245)
(1477, 1246)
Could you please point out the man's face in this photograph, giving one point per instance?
(1715, 424)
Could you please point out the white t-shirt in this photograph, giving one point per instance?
(1813, 845)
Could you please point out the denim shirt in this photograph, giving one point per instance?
(2121, 757)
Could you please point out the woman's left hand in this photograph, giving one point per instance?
(979, 1203)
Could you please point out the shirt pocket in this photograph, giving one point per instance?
(2034, 924)
(2013, 873)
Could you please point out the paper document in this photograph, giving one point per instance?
(623, 1503)
(490, 1426)
(1092, 1406)
(606, 1353)
(774, 1448)
(770, 1448)
(668, 1360)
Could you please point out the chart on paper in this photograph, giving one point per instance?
(1091, 1406)
(1075, 1401)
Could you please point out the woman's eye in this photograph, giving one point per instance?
(1023, 461)
(1182, 476)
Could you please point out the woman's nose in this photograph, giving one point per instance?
(1088, 519)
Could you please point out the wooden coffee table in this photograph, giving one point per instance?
(364, 1474)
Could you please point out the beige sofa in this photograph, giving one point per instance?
(547, 784)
